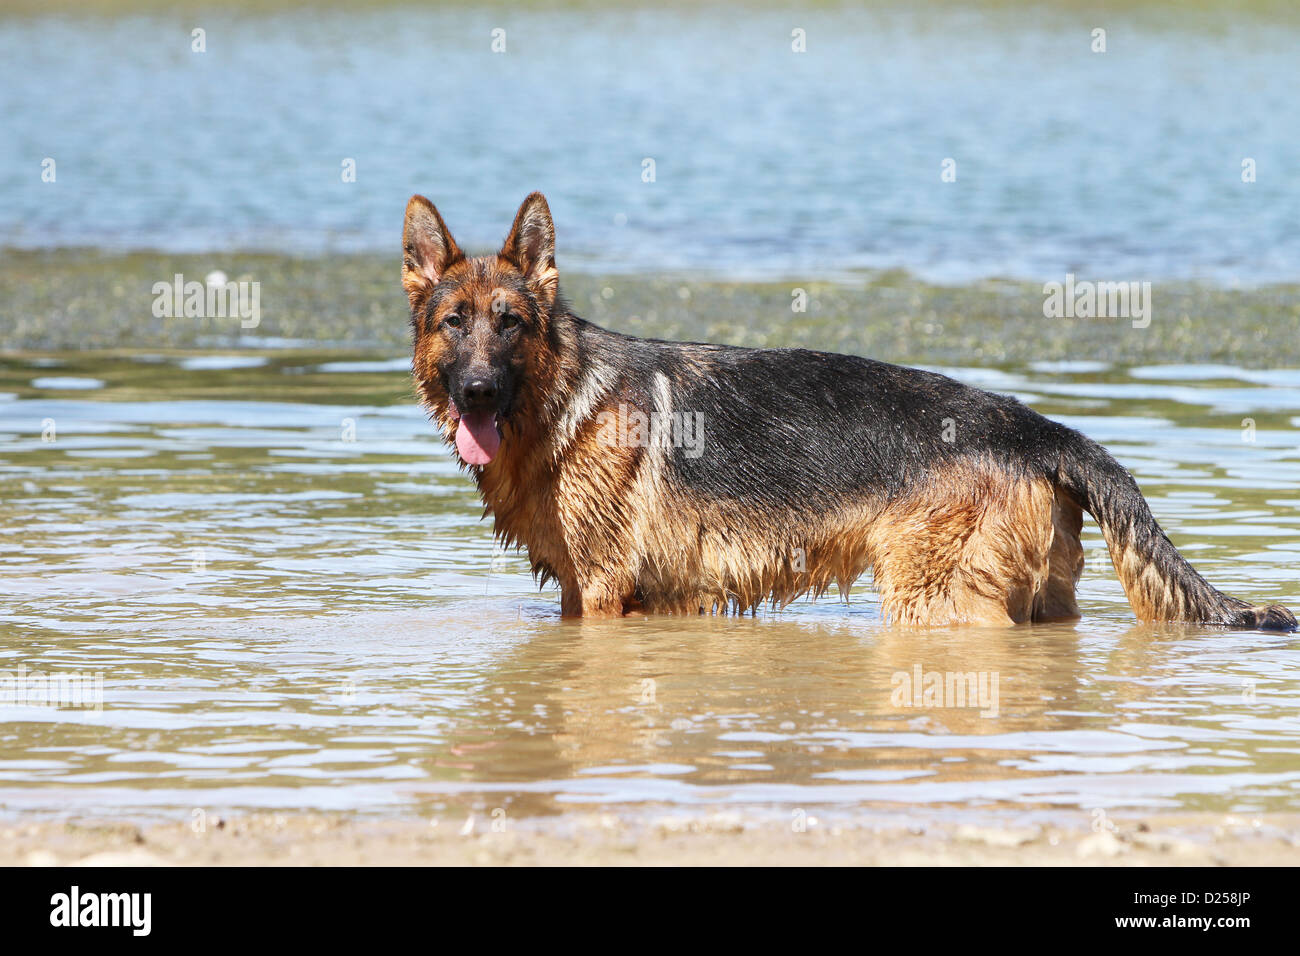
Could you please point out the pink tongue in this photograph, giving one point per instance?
(477, 438)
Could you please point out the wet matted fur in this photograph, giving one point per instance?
(673, 477)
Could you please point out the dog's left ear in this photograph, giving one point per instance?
(531, 247)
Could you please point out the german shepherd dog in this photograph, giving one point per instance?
(811, 467)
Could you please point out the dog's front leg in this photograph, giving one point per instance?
(570, 600)
(598, 597)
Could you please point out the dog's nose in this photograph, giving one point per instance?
(478, 392)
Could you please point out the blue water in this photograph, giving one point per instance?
(768, 163)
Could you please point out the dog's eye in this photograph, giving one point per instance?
(509, 321)
(452, 321)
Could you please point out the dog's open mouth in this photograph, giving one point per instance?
(477, 436)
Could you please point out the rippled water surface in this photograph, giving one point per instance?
(1122, 165)
(285, 585)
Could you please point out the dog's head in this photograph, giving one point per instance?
(480, 324)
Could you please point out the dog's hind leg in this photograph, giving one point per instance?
(926, 586)
(968, 548)
(1056, 599)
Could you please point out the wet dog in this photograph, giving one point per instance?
(673, 477)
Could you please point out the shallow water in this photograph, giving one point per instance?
(285, 585)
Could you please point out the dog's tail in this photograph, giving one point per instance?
(1160, 584)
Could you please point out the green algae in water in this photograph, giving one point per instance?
(81, 299)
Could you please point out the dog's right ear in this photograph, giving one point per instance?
(427, 249)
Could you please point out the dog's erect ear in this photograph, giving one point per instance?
(531, 246)
(427, 248)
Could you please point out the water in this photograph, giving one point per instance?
(288, 619)
(1123, 165)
